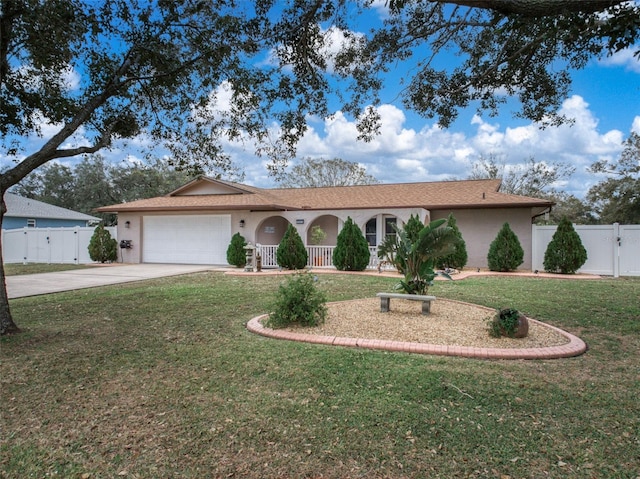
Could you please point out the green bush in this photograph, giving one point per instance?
(457, 259)
(291, 253)
(352, 250)
(236, 254)
(102, 247)
(388, 249)
(505, 252)
(298, 302)
(509, 322)
(413, 227)
(565, 253)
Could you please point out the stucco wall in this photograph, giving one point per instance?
(480, 227)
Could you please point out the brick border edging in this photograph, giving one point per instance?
(574, 347)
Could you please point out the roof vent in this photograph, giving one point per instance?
(483, 196)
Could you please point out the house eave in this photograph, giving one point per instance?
(148, 209)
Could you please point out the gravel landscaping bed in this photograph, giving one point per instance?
(450, 323)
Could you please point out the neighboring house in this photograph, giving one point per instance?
(25, 212)
(194, 224)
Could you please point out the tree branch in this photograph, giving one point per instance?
(536, 8)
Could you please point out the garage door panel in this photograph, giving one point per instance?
(196, 239)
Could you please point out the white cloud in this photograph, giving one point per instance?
(403, 154)
(71, 78)
(624, 58)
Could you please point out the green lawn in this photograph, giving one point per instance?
(34, 268)
(160, 379)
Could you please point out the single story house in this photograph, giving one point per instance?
(194, 223)
(25, 212)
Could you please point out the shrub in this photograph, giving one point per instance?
(565, 253)
(419, 256)
(505, 252)
(413, 227)
(352, 250)
(391, 244)
(236, 254)
(102, 247)
(509, 322)
(298, 302)
(291, 253)
(457, 259)
(318, 235)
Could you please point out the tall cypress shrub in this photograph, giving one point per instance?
(352, 250)
(457, 259)
(565, 253)
(102, 247)
(236, 254)
(505, 252)
(413, 227)
(291, 253)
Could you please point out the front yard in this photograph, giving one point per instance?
(161, 379)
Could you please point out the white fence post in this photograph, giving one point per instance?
(616, 250)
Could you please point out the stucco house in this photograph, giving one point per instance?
(194, 223)
(25, 212)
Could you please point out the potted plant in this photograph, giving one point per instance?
(318, 235)
(509, 322)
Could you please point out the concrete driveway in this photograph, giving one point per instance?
(44, 283)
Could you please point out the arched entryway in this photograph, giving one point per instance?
(268, 236)
(321, 238)
(327, 224)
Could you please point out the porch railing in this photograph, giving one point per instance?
(318, 256)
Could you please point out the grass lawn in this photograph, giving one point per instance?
(14, 269)
(160, 379)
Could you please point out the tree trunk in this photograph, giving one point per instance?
(7, 326)
(538, 8)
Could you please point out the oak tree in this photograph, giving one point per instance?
(317, 172)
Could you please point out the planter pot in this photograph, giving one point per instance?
(522, 329)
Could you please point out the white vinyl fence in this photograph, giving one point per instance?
(48, 245)
(612, 250)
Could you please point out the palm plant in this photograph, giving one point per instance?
(418, 256)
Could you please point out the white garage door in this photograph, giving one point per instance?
(197, 239)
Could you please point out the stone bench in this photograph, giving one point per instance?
(385, 300)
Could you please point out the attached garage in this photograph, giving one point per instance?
(186, 239)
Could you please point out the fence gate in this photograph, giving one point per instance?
(48, 245)
(629, 250)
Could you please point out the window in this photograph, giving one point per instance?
(371, 231)
(389, 226)
(31, 223)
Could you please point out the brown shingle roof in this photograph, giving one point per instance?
(432, 195)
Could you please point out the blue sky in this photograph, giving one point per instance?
(604, 104)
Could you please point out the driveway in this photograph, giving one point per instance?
(44, 283)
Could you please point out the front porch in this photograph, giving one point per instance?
(318, 256)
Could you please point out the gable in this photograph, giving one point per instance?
(210, 186)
